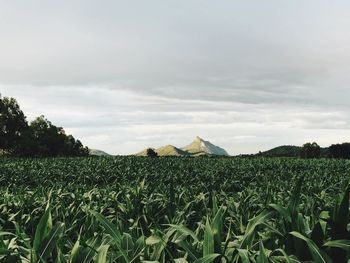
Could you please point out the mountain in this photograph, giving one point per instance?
(95, 152)
(144, 152)
(202, 147)
(289, 151)
(196, 148)
(283, 151)
(168, 150)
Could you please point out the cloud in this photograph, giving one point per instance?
(124, 121)
(125, 75)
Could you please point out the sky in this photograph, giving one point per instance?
(121, 76)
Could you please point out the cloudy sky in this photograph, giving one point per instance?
(247, 75)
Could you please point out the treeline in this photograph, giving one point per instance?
(313, 150)
(310, 150)
(39, 138)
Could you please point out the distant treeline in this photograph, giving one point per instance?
(39, 138)
(310, 150)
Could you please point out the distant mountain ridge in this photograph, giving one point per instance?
(202, 147)
(288, 151)
(95, 152)
(283, 151)
(197, 148)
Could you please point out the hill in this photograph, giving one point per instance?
(196, 148)
(95, 152)
(202, 147)
(168, 150)
(289, 151)
(282, 151)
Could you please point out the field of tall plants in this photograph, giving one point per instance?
(139, 209)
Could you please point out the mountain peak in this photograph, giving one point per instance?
(197, 147)
(202, 147)
(198, 139)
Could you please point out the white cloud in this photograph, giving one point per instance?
(121, 76)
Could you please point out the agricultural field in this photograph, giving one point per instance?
(139, 209)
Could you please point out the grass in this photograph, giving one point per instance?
(134, 209)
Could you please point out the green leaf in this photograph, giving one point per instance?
(153, 240)
(127, 244)
(262, 258)
(102, 254)
(316, 253)
(190, 250)
(295, 199)
(185, 231)
(216, 226)
(243, 255)
(208, 243)
(74, 256)
(343, 244)
(207, 258)
(42, 230)
(138, 248)
(50, 242)
(111, 229)
(250, 231)
(282, 211)
(343, 214)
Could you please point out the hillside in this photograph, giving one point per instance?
(170, 150)
(288, 151)
(202, 147)
(282, 151)
(196, 148)
(95, 152)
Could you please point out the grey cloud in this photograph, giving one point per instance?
(122, 75)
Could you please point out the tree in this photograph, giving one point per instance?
(41, 138)
(13, 126)
(151, 153)
(50, 140)
(310, 150)
(340, 150)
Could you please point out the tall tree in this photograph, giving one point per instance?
(340, 150)
(13, 126)
(310, 150)
(41, 138)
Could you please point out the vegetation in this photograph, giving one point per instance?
(340, 150)
(131, 209)
(151, 153)
(282, 151)
(310, 150)
(40, 138)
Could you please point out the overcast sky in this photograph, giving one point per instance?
(124, 75)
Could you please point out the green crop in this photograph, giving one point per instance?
(134, 209)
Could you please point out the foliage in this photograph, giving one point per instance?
(40, 139)
(340, 150)
(310, 150)
(282, 151)
(151, 153)
(130, 209)
(13, 126)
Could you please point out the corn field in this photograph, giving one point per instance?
(134, 209)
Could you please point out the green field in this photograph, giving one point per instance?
(139, 209)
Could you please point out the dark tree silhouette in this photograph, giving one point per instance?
(151, 153)
(13, 126)
(310, 150)
(41, 138)
(340, 151)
